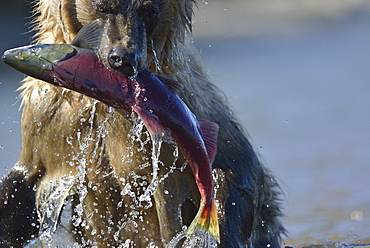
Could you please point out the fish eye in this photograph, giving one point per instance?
(35, 50)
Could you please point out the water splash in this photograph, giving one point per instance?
(140, 136)
(88, 148)
(50, 206)
(200, 238)
(84, 142)
(157, 141)
(138, 133)
(173, 166)
(156, 60)
(156, 150)
(54, 195)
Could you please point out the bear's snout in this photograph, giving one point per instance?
(123, 61)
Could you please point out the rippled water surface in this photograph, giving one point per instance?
(302, 94)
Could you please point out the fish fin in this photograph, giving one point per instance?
(151, 121)
(90, 35)
(206, 219)
(209, 131)
(172, 84)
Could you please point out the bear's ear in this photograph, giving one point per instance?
(90, 35)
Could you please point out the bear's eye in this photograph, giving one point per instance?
(108, 6)
(152, 13)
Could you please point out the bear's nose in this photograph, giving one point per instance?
(123, 61)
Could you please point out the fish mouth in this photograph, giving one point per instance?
(12, 56)
(5, 58)
(25, 60)
(9, 57)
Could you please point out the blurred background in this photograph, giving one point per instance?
(297, 74)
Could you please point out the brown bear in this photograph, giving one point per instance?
(84, 165)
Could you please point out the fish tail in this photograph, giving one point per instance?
(207, 219)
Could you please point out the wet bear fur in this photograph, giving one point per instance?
(81, 155)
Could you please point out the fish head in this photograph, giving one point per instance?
(35, 60)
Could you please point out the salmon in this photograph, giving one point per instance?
(152, 97)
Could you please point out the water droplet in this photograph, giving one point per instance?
(357, 215)
(156, 60)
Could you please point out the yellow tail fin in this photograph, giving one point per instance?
(207, 219)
